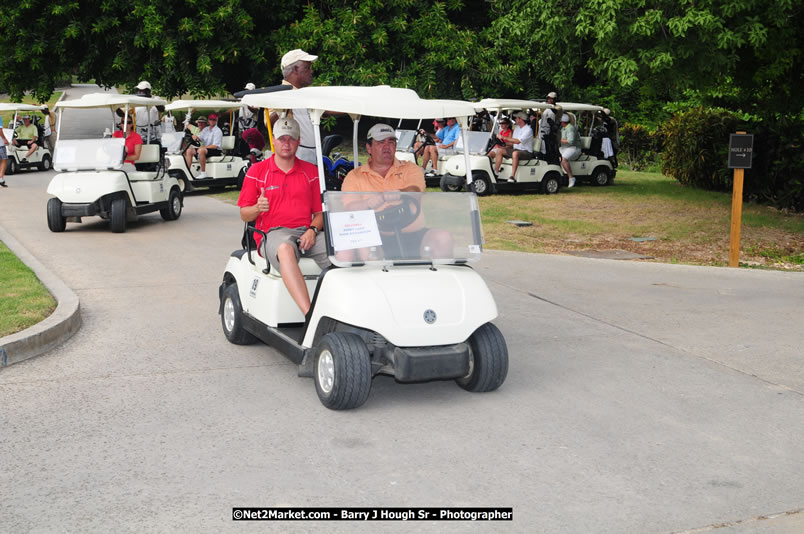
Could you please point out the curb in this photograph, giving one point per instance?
(56, 328)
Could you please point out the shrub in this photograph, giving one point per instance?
(638, 145)
(696, 144)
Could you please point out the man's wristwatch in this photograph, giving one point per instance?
(314, 229)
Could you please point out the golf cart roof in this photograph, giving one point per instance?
(499, 104)
(574, 106)
(378, 101)
(15, 106)
(110, 100)
(202, 104)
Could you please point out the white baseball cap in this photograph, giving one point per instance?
(250, 86)
(143, 85)
(286, 126)
(565, 118)
(297, 55)
(552, 94)
(380, 132)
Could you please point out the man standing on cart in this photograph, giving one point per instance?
(282, 196)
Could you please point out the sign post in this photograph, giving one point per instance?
(741, 151)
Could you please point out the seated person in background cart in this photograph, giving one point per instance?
(384, 173)
(282, 196)
(26, 135)
(570, 146)
(519, 146)
(133, 142)
(445, 140)
(420, 148)
(211, 138)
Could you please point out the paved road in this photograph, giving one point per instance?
(641, 398)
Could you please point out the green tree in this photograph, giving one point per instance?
(198, 46)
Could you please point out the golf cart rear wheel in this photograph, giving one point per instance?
(13, 167)
(117, 217)
(44, 165)
(173, 209)
(342, 371)
(447, 187)
(481, 184)
(241, 176)
(55, 220)
(601, 176)
(232, 318)
(488, 365)
(551, 183)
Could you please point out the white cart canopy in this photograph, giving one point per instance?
(378, 101)
(202, 104)
(499, 104)
(110, 100)
(12, 106)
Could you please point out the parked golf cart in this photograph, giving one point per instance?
(592, 166)
(532, 175)
(41, 159)
(94, 180)
(223, 170)
(416, 315)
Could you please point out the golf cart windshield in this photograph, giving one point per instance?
(89, 154)
(402, 228)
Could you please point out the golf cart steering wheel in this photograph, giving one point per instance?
(399, 216)
(493, 142)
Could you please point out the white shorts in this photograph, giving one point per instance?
(570, 153)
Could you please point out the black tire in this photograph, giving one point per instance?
(551, 183)
(601, 176)
(232, 318)
(481, 184)
(117, 215)
(44, 165)
(173, 209)
(342, 371)
(489, 360)
(13, 167)
(240, 177)
(449, 188)
(55, 220)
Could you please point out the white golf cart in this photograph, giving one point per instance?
(415, 312)
(94, 180)
(534, 174)
(41, 159)
(223, 170)
(594, 164)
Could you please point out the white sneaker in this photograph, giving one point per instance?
(201, 176)
(571, 182)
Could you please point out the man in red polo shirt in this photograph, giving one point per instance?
(282, 195)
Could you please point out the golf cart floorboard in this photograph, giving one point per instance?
(284, 338)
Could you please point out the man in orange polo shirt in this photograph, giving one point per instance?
(384, 172)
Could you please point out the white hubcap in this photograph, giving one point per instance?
(229, 314)
(176, 205)
(326, 371)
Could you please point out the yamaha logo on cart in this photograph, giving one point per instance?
(429, 316)
(253, 292)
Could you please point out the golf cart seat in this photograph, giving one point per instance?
(227, 145)
(149, 155)
(586, 143)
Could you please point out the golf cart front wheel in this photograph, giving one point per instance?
(448, 187)
(488, 365)
(551, 183)
(342, 371)
(601, 176)
(173, 209)
(117, 215)
(44, 165)
(481, 183)
(55, 220)
(232, 318)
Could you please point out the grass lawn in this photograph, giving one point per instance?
(689, 225)
(23, 299)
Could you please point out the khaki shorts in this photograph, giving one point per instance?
(280, 234)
